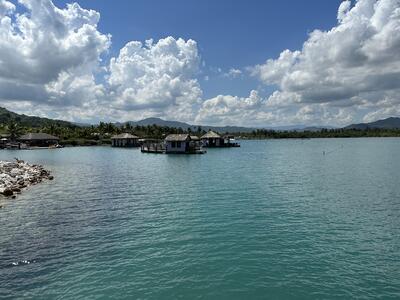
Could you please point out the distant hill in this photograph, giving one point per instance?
(32, 121)
(389, 123)
(29, 121)
(159, 122)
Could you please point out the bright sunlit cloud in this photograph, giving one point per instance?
(55, 62)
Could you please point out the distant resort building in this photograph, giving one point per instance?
(39, 140)
(175, 144)
(4, 139)
(125, 140)
(214, 140)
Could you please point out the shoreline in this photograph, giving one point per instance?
(17, 175)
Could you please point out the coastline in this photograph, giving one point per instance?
(18, 175)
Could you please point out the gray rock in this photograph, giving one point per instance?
(14, 176)
(8, 192)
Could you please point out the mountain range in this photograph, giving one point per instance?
(389, 123)
(32, 121)
(186, 126)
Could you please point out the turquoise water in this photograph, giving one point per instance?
(270, 220)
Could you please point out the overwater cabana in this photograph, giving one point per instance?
(182, 143)
(174, 144)
(3, 141)
(39, 140)
(125, 140)
(212, 139)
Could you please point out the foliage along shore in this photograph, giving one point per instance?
(13, 125)
(73, 135)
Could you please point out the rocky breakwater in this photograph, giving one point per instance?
(15, 176)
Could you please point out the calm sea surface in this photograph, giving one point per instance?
(270, 220)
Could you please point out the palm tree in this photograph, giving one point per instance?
(14, 130)
(52, 129)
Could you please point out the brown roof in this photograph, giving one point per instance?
(194, 138)
(37, 136)
(211, 135)
(177, 137)
(124, 136)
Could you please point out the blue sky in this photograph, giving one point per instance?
(229, 33)
(248, 63)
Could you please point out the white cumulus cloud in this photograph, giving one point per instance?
(40, 48)
(158, 77)
(51, 63)
(227, 109)
(233, 73)
(358, 58)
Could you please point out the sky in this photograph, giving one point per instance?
(247, 63)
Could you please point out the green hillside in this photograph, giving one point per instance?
(29, 121)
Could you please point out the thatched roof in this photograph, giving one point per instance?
(124, 136)
(37, 136)
(211, 135)
(194, 138)
(177, 137)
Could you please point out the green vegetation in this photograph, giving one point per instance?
(323, 133)
(27, 121)
(14, 130)
(89, 135)
(14, 125)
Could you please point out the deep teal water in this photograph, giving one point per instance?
(269, 220)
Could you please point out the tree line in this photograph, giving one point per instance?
(102, 133)
(94, 134)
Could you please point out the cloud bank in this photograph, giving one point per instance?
(52, 63)
(353, 69)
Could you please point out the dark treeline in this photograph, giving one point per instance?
(101, 134)
(92, 135)
(323, 133)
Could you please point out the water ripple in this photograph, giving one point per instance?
(271, 219)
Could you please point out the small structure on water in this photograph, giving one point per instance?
(125, 140)
(229, 141)
(175, 144)
(3, 141)
(39, 140)
(213, 140)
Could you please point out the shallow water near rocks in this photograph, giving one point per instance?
(273, 219)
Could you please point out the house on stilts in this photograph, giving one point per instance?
(125, 140)
(213, 140)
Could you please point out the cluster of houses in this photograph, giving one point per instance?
(175, 143)
(30, 140)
